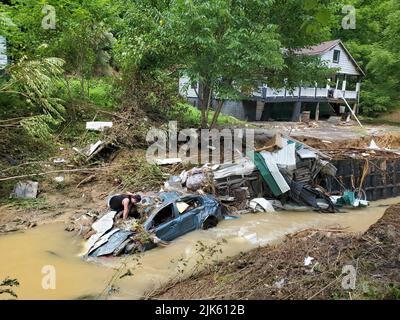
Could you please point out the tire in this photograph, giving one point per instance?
(210, 222)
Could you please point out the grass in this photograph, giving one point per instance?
(378, 121)
(98, 92)
(28, 204)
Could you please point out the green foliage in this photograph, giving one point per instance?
(375, 44)
(81, 35)
(140, 175)
(35, 81)
(229, 47)
(190, 117)
(30, 204)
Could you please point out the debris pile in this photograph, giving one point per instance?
(284, 174)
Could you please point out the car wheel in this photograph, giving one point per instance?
(211, 222)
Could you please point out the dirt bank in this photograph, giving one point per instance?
(279, 272)
(387, 140)
(80, 192)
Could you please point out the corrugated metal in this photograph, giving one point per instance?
(286, 157)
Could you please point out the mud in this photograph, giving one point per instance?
(130, 277)
(280, 272)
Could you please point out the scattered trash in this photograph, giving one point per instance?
(91, 149)
(243, 167)
(196, 178)
(373, 145)
(279, 284)
(25, 190)
(173, 184)
(349, 199)
(167, 161)
(285, 174)
(59, 179)
(261, 205)
(59, 161)
(98, 125)
(308, 260)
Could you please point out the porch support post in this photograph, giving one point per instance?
(296, 112)
(317, 112)
(259, 110)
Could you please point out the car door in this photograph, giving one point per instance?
(169, 230)
(189, 220)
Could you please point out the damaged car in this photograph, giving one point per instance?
(175, 217)
(184, 215)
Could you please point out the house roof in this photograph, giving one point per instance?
(323, 47)
(319, 48)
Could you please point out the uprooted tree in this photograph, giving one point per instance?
(35, 81)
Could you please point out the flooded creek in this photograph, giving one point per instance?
(24, 254)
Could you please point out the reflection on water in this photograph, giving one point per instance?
(24, 254)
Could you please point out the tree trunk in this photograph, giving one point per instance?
(216, 114)
(205, 92)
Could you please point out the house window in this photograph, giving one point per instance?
(336, 56)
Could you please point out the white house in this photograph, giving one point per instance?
(323, 99)
(3, 55)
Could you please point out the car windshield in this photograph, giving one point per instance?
(185, 206)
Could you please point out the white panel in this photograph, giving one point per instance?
(351, 94)
(345, 64)
(3, 56)
(185, 89)
(307, 92)
(322, 92)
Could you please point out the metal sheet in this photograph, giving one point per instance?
(306, 154)
(270, 173)
(286, 157)
(105, 223)
(113, 243)
(243, 168)
(97, 240)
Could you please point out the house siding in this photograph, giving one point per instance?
(345, 64)
(185, 89)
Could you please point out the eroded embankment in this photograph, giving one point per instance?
(279, 272)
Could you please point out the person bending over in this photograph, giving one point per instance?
(127, 203)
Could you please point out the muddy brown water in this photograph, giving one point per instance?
(24, 254)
